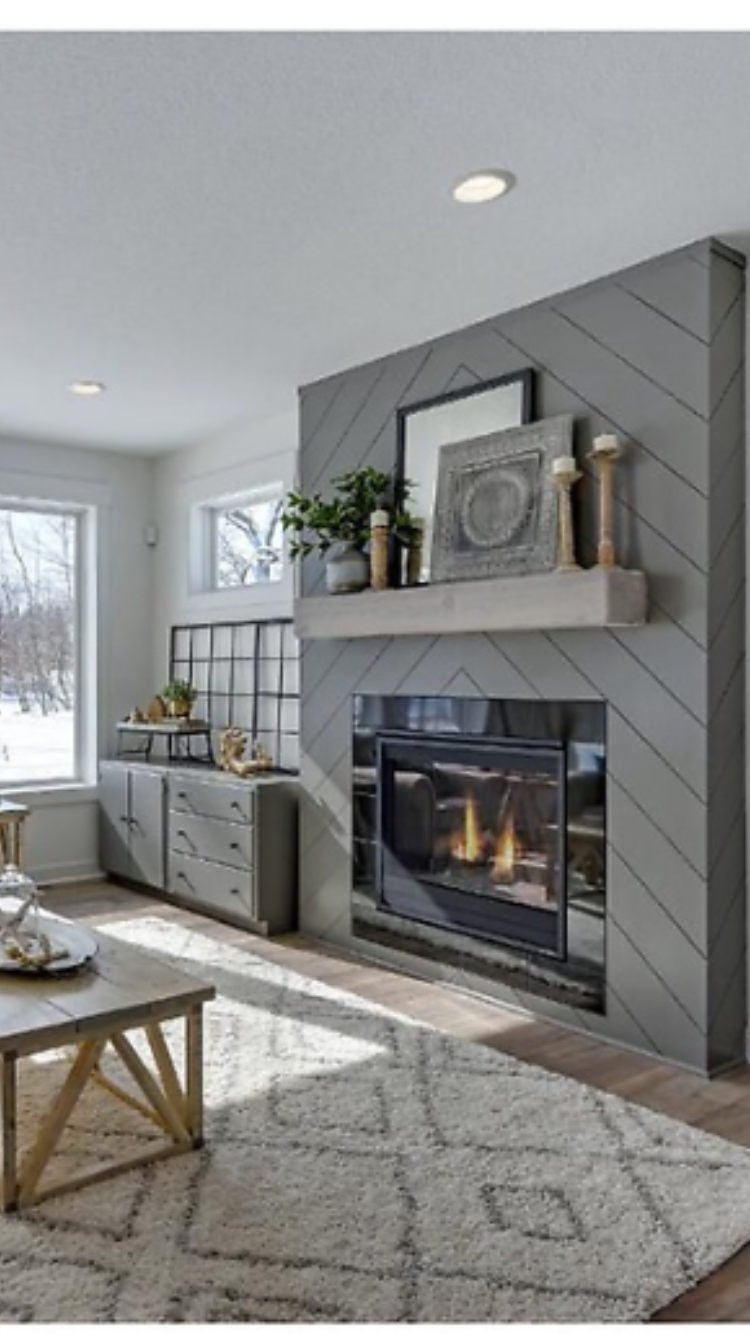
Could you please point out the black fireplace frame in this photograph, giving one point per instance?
(530, 929)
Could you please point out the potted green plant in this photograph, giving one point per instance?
(179, 696)
(337, 529)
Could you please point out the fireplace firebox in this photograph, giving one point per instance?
(479, 837)
(471, 834)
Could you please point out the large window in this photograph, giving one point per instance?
(246, 539)
(39, 644)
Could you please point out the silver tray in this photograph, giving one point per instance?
(80, 944)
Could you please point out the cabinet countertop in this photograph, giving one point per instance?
(205, 772)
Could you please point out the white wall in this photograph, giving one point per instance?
(142, 590)
(248, 455)
(62, 834)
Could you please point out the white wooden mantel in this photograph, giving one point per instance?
(582, 599)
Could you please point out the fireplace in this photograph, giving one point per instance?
(479, 836)
(471, 835)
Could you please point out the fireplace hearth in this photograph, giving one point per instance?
(480, 836)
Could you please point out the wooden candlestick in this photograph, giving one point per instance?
(379, 525)
(603, 456)
(566, 556)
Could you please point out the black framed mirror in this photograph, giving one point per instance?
(463, 414)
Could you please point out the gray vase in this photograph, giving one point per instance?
(347, 569)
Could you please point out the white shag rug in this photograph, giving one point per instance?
(360, 1167)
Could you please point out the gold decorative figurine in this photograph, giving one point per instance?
(232, 741)
(603, 456)
(565, 474)
(156, 711)
(231, 753)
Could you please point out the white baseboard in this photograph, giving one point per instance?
(64, 872)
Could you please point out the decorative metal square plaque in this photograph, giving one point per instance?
(496, 504)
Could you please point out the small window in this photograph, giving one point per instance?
(39, 645)
(247, 539)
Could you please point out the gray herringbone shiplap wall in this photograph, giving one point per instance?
(656, 354)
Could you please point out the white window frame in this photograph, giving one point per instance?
(205, 530)
(85, 726)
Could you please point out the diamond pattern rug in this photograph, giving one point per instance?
(361, 1167)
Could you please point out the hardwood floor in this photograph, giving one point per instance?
(721, 1105)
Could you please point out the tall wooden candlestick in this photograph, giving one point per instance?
(565, 480)
(379, 524)
(604, 455)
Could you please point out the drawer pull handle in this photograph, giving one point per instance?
(236, 807)
(235, 847)
(181, 876)
(234, 890)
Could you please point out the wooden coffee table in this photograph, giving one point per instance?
(121, 989)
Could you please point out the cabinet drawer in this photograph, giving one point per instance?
(219, 801)
(211, 886)
(213, 840)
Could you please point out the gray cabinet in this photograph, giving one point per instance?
(114, 819)
(132, 841)
(228, 846)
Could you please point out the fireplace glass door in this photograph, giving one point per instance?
(472, 835)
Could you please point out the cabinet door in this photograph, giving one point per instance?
(114, 814)
(147, 820)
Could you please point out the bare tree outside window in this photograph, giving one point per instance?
(38, 621)
(249, 540)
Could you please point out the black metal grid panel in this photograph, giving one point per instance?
(246, 674)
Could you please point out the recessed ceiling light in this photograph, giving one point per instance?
(482, 186)
(87, 388)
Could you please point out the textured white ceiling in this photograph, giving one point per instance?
(205, 221)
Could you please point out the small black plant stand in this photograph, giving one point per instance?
(179, 736)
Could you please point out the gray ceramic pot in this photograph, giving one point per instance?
(347, 569)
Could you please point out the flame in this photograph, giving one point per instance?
(504, 860)
(468, 847)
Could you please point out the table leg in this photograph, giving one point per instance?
(10, 1167)
(54, 1123)
(194, 1073)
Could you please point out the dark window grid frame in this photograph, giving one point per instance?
(193, 655)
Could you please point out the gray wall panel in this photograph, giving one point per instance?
(665, 875)
(658, 791)
(650, 1004)
(727, 802)
(635, 693)
(665, 650)
(671, 289)
(728, 573)
(726, 289)
(668, 432)
(728, 496)
(679, 966)
(633, 354)
(669, 357)
(727, 427)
